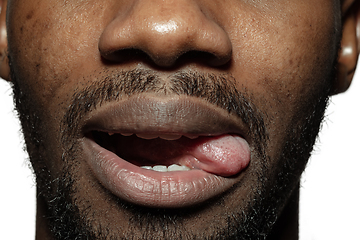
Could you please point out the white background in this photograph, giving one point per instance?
(330, 199)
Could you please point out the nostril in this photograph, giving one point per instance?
(202, 58)
(125, 55)
(208, 58)
(130, 55)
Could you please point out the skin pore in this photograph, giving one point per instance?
(271, 65)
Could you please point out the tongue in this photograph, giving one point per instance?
(224, 155)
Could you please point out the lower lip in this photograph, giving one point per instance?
(150, 188)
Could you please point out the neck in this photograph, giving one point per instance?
(287, 226)
(42, 228)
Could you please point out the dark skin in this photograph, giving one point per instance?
(274, 54)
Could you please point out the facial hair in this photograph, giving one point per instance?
(270, 189)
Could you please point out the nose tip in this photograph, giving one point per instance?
(165, 32)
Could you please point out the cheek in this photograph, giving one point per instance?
(285, 58)
(50, 55)
(285, 63)
(55, 46)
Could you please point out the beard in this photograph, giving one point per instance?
(72, 216)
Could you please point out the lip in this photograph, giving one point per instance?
(153, 115)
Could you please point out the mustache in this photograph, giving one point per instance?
(218, 90)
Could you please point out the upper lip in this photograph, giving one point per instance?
(167, 115)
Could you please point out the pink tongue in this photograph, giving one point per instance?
(225, 155)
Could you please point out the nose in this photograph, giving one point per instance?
(165, 30)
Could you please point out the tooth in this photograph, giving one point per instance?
(147, 167)
(111, 133)
(160, 168)
(169, 137)
(192, 136)
(186, 168)
(176, 167)
(146, 135)
(126, 134)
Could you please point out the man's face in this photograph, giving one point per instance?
(232, 90)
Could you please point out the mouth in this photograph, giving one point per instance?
(150, 151)
(165, 153)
